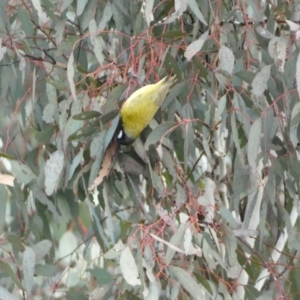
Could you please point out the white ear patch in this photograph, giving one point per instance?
(120, 135)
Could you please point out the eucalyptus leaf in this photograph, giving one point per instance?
(87, 115)
(129, 268)
(260, 81)
(195, 46)
(189, 283)
(103, 277)
(53, 170)
(158, 133)
(46, 270)
(226, 58)
(5, 267)
(28, 269)
(3, 200)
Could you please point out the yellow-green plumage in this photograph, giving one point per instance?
(141, 106)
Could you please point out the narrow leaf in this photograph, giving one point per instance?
(293, 26)
(87, 115)
(4, 266)
(146, 10)
(40, 195)
(41, 249)
(195, 9)
(107, 15)
(53, 169)
(46, 270)
(189, 283)
(22, 172)
(96, 41)
(70, 75)
(103, 276)
(159, 131)
(3, 200)
(80, 7)
(226, 58)
(28, 269)
(129, 268)
(259, 83)
(253, 143)
(298, 74)
(193, 48)
(16, 242)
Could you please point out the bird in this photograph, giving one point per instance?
(139, 109)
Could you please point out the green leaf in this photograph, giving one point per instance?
(82, 132)
(174, 34)
(45, 136)
(194, 6)
(41, 249)
(46, 270)
(16, 242)
(80, 7)
(4, 266)
(3, 200)
(298, 74)
(174, 92)
(87, 115)
(96, 41)
(42, 197)
(157, 183)
(53, 171)
(97, 152)
(259, 83)
(129, 268)
(70, 169)
(23, 173)
(240, 182)
(253, 143)
(24, 17)
(28, 269)
(103, 277)
(193, 48)
(171, 65)
(169, 163)
(113, 97)
(63, 206)
(82, 70)
(201, 279)
(70, 76)
(159, 131)
(226, 59)
(189, 283)
(59, 85)
(130, 296)
(76, 295)
(87, 15)
(111, 131)
(246, 76)
(106, 16)
(130, 165)
(5, 155)
(295, 118)
(175, 240)
(3, 14)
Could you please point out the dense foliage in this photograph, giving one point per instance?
(204, 205)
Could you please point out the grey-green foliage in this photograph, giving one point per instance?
(194, 206)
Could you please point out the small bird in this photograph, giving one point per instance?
(139, 109)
